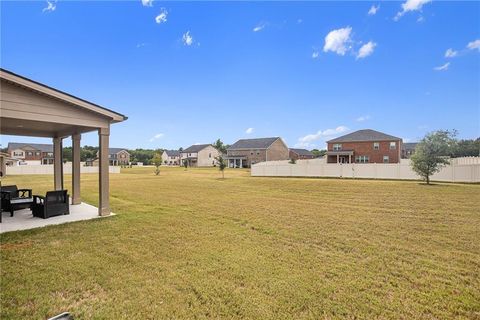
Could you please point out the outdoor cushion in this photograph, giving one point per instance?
(21, 200)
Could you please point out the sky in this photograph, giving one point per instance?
(192, 72)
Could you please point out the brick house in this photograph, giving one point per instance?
(297, 154)
(364, 146)
(116, 157)
(245, 152)
(31, 153)
(171, 157)
(199, 155)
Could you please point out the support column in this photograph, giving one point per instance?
(76, 199)
(58, 163)
(338, 158)
(103, 178)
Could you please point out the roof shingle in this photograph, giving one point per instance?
(196, 148)
(364, 135)
(260, 143)
(44, 147)
(302, 152)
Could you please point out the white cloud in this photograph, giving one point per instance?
(162, 16)
(411, 5)
(363, 118)
(156, 137)
(474, 45)
(450, 53)
(187, 39)
(51, 6)
(442, 67)
(338, 41)
(315, 54)
(299, 21)
(259, 27)
(366, 50)
(147, 3)
(373, 10)
(140, 45)
(249, 131)
(307, 141)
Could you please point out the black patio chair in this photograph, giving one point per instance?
(55, 203)
(15, 199)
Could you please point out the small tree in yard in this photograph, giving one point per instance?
(292, 161)
(433, 152)
(222, 164)
(157, 162)
(185, 164)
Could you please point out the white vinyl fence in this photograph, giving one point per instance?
(48, 169)
(460, 170)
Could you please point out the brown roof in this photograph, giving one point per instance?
(364, 135)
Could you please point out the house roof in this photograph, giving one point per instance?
(409, 145)
(172, 153)
(364, 135)
(260, 143)
(301, 152)
(36, 146)
(196, 148)
(55, 93)
(116, 150)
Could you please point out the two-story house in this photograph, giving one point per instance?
(171, 157)
(301, 154)
(364, 146)
(31, 153)
(116, 157)
(245, 152)
(199, 155)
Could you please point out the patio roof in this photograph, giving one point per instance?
(30, 108)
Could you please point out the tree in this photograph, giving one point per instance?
(157, 162)
(220, 146)
(292, 161)
(222, 164)
(318, 153)
(433, 152)
(185, 163)
(467, 148)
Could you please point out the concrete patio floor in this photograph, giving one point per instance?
(23, 219)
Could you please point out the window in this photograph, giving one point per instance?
(361, 159)
(37, 153)
(251, 153)
(29, 153)
(386, 159)
(393, 145)
(337, 147)
(376, 145)
(258, 152)
(50, 154)
(18, 154)
(209, 155)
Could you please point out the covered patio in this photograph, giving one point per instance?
(29, 108)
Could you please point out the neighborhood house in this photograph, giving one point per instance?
(199, 155)
(30, 153)
(171, 157)
(245, 152)
(364, 146)
(408, 149)
(301, 154)
(116, 157)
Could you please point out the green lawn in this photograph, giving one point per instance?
(187, 244)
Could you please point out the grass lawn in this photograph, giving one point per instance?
(187, 244)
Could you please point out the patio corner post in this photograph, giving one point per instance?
(104, 200)
(58, 163)
(76, 198)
